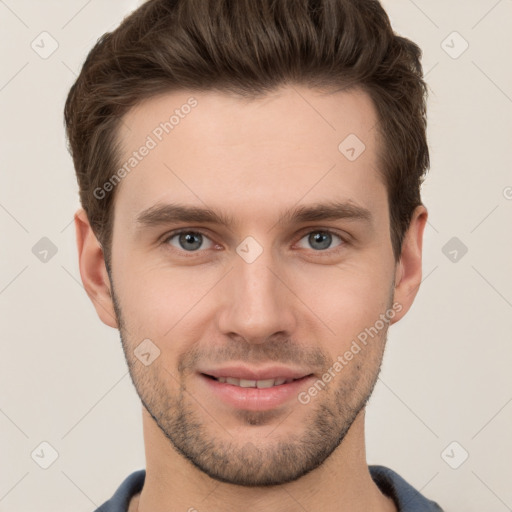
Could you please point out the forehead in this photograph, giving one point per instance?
(231, 152)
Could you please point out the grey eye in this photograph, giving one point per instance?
(320, 240)
(188, 240)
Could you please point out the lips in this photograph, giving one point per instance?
(244, 373)
(249, 383)
(254, 388)
(253, 394)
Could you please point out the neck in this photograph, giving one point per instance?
(341, 483)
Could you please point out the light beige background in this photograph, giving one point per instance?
(446, 374)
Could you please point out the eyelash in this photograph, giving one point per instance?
(188, 254)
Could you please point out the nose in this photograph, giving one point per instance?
(256, 302)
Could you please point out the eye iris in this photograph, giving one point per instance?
(323, 238)
(190, 240)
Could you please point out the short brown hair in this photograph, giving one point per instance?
(250, 47)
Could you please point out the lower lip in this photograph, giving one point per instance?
(256, 399)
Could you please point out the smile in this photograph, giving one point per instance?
(245, 383)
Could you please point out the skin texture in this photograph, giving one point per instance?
(301, 303)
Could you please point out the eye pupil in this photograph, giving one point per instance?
(321, 237)
(190, 240)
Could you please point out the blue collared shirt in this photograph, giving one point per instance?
(406, 498)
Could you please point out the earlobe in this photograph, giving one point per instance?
(93, 270)
(408, 270)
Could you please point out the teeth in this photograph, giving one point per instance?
(261, 384)
(247, 383)
(265, 383)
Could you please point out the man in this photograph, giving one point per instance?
(249, 173)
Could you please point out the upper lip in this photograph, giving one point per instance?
(246, 373)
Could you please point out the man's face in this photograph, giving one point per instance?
(270, 292)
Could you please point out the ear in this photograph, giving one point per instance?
(93, 270)
(408, 269)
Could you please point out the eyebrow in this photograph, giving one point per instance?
(161, 214)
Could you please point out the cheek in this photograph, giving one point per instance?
(347, 299)
(159, 302)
